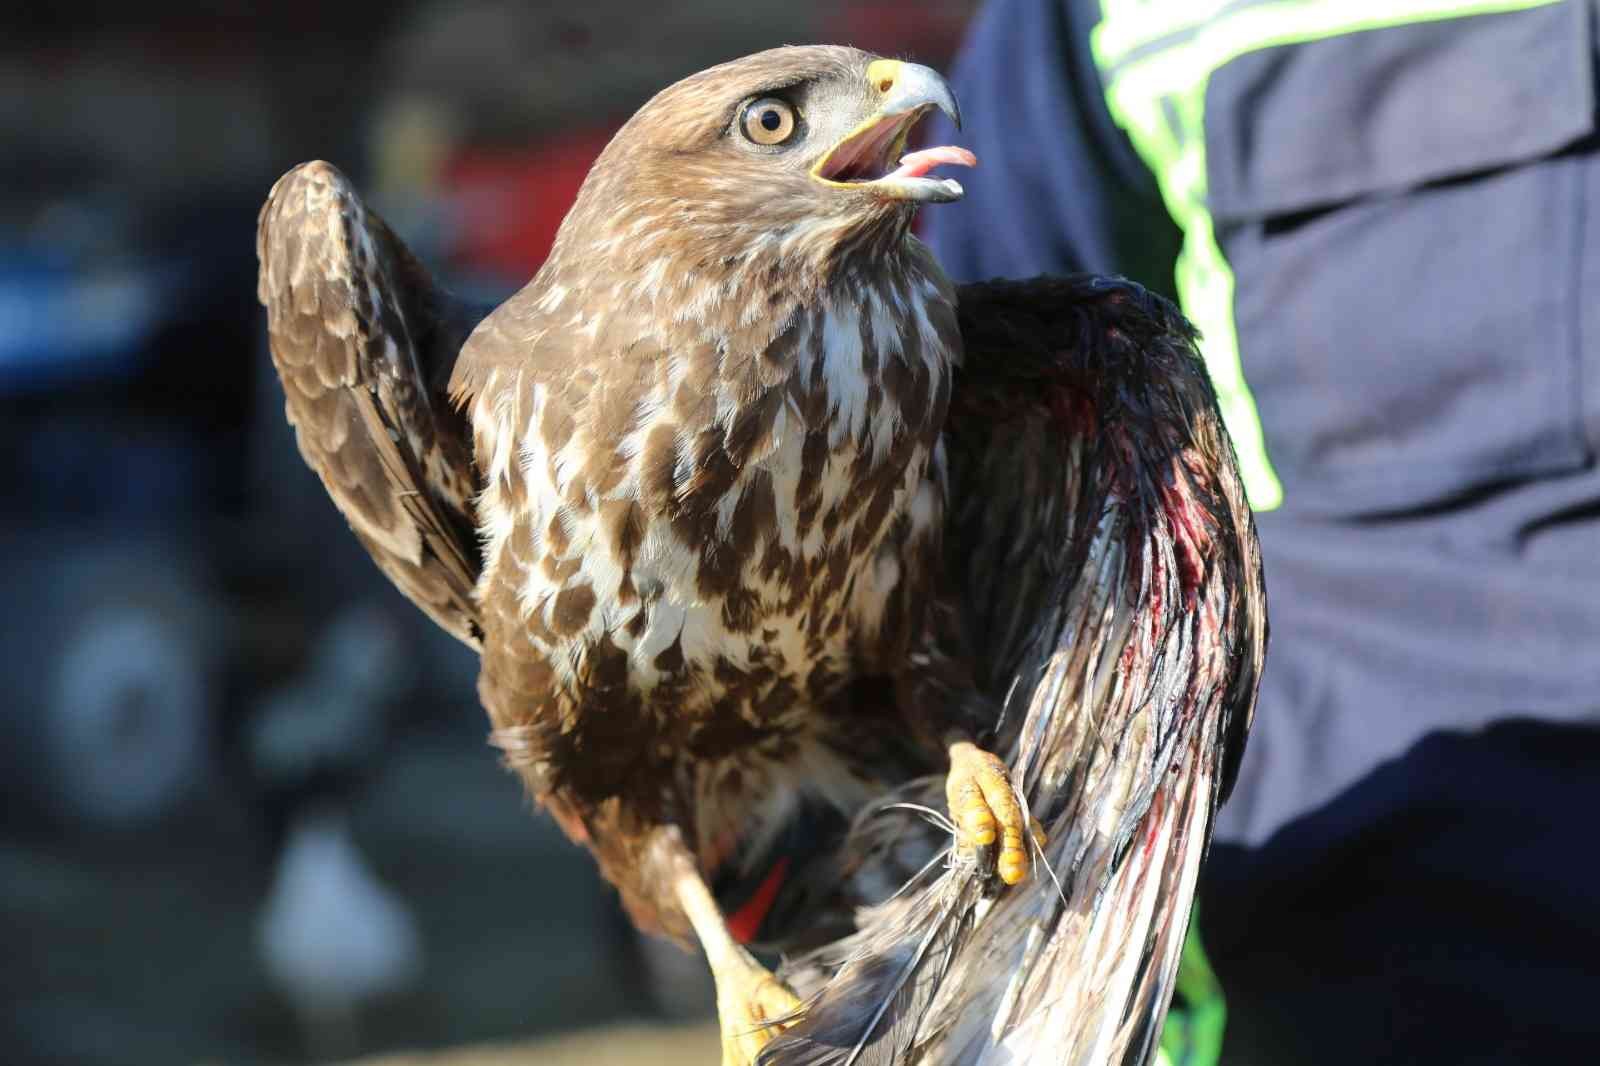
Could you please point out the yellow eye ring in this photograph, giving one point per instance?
(768, 121)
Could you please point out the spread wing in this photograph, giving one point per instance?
(364, 342)
(1112, 588)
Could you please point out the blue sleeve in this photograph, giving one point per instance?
(1057, 187)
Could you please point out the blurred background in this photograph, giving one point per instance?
(248, 811)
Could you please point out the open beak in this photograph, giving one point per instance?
(871, 156)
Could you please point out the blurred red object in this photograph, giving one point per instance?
(507, 204)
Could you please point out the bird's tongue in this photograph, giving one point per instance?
(916, 164)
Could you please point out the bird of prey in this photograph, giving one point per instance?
(751, 513)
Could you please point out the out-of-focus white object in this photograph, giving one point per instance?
(331, 934)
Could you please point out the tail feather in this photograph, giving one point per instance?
(882, 980)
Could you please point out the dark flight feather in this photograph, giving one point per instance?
(1112, 591)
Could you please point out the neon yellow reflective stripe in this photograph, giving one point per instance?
(1158, 96)
(1202, 276)
(1129, 24)
(1227, 29)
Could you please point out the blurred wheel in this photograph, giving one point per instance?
(128, 723)
(115, 648)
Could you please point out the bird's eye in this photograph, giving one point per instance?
(768, 121)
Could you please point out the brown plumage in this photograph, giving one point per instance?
(364, 343)
(707, 453)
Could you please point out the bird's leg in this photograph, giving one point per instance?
(753, 1006)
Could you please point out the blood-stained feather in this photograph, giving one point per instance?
(1111, 588)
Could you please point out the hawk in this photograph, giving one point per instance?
(749, 511)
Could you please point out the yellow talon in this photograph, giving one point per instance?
(984, 806)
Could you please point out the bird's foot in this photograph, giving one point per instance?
(987, 812)
(753, 1006)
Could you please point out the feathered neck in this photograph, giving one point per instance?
(674, 273)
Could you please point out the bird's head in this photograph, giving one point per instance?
(793, 150)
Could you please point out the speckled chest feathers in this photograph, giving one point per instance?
(713, 494)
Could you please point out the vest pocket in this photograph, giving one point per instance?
(1401, 211)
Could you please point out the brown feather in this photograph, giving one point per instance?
(363, 342)
(687, 499)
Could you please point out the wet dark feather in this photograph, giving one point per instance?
(1098, 529)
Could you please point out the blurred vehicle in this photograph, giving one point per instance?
(111, 480)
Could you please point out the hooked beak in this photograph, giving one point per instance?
(909, 86)
(867, 156)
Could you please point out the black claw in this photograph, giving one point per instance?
(988, 860)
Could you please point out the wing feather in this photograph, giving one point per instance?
(1111, 587)
(364, 343)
